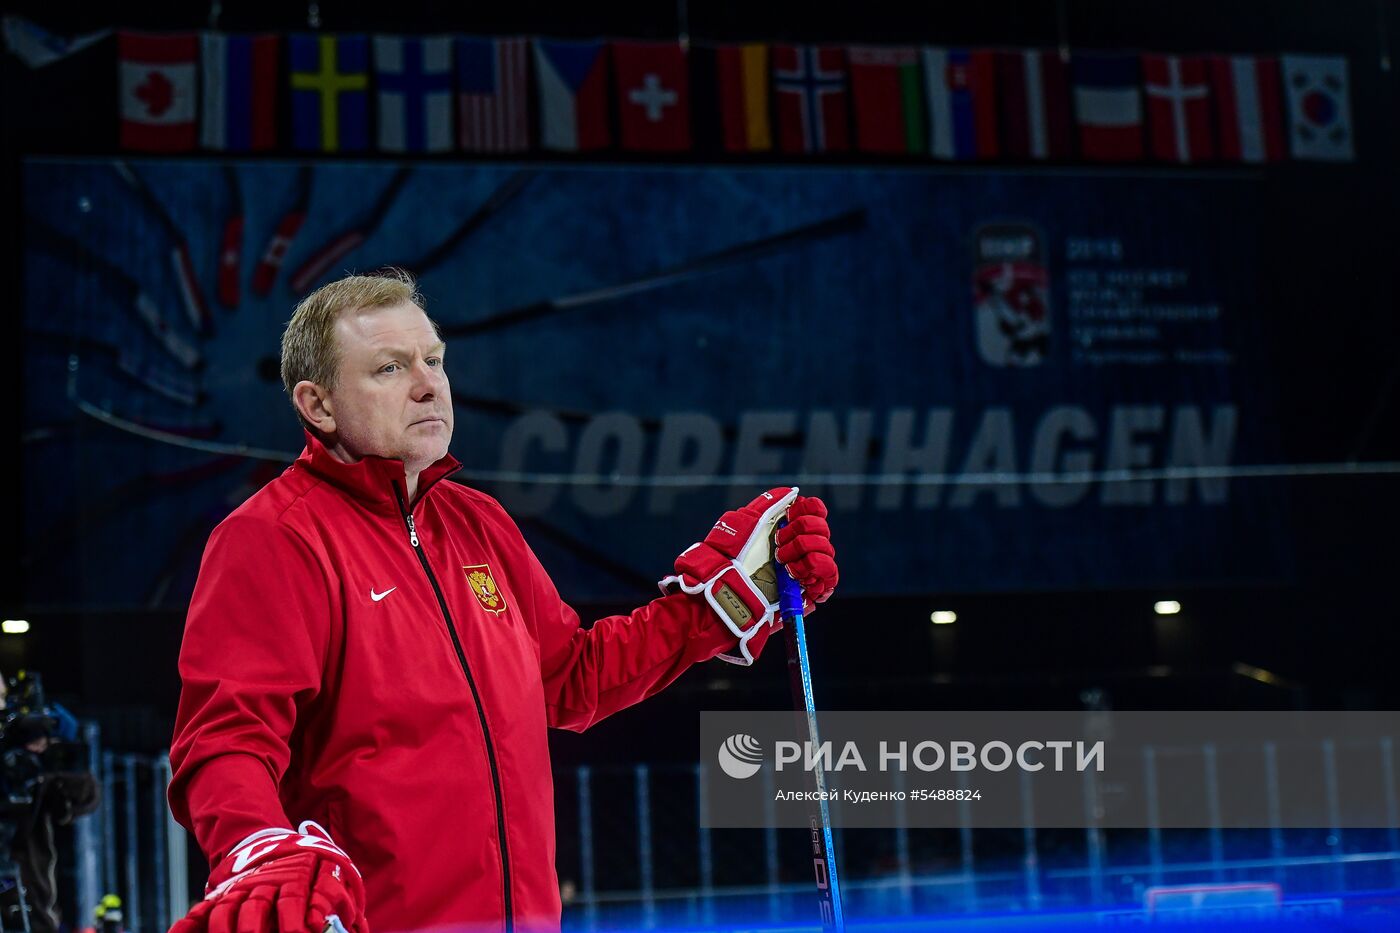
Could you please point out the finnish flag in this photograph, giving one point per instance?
(413, 77)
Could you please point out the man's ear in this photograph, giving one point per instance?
(314, 404)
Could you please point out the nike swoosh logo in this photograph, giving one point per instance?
(378, 596)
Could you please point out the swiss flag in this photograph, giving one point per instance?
(1178, 108)
(653, 95)
(156, 75)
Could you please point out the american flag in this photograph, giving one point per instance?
(492, 101)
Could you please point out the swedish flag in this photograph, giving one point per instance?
(330, 93)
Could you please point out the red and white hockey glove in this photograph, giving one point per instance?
(283, 881)
(733, 566)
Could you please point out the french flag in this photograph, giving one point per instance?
(573, 95)
(1108, 107)
(239, 92)
(1248, 107)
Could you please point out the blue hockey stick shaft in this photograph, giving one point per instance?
(819, 814)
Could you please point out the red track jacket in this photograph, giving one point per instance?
(390, 672)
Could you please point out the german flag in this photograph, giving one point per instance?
(733, 100)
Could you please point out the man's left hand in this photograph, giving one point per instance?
(733, 567)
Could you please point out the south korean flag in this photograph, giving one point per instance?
(1319, 107)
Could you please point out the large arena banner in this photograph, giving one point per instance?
(996, 380)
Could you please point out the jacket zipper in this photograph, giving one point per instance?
(476, 697)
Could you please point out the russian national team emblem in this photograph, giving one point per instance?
(483, 584)
(1011, 295)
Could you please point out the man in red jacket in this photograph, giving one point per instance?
(374, 655)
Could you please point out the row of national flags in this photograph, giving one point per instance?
(441, 94)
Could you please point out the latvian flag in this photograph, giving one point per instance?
(413, 77)
(1033, 90)
(962, 103)
(1108, 107)
(888, 98)
(1248, 107)
(330, 93)
(809, 87)
(573, 88)
(1178, 108)
(157, 81)
(493, 108)
(240, 92)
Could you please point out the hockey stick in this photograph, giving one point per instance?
(818, 813)
(231, 250)
(502, 196)
(190, 292)
(276, 250)
(136, 300)
(342, 244)
(744, 252)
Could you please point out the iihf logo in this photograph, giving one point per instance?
(740, 756)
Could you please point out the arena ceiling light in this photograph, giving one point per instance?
(14, 626)
(943, 617)
(1166, 607)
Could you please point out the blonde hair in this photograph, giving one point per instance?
(309, 351)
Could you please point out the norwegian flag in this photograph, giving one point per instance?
(1178, 108)
(809, 84)
(157, 75)
(492, 106)
(1248, 107)
(1033, 91)
(1108, 107)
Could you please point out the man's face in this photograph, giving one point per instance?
(392, 398)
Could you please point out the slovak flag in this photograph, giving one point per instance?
(1178, 108)
(653, 95)
(1108, 107)
(240, 92)
(1319, 107)
(413, 80)
(1248, 92)
(157, 81)
(573, 89)
(962, 103)
(1033, 93)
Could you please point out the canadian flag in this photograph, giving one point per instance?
(157, 75)
(1248, 107)
(1178, 108)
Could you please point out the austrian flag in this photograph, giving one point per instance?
(1248, 94)
(157, 81)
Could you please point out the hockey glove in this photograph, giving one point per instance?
(733, 566)
(284, 881)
